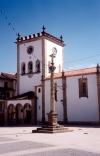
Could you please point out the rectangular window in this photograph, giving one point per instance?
(0, 106)
(6, 84)
(2, 94)
(83, 87)
(7, 95)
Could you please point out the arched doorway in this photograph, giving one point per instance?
(19, 114)
(2, 113)
(27, 113)
(11, 115)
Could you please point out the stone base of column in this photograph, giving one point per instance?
(52, 125)
(52, 118)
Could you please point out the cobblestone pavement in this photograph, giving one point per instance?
(20, 141)
(20, 146)
(3, 139)
(63, 152)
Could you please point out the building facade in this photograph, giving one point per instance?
(8, 86)
(77, 92)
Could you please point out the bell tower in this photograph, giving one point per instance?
(33, 59)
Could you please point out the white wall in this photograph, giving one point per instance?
(82, 109)
(58, 60)
(20, 114)
(26, 83)
(58, 105)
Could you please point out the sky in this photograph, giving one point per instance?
(78, 21)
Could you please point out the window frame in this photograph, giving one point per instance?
(23, 64)
(39, 90)
(30, 70)
(5, 84)
(36, 66)
(0, 107)
(81, 87)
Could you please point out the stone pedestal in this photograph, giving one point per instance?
(52, 118)
(52, 125)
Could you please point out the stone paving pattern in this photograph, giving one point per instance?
(20, 146)
(63, 152)
(3, 139)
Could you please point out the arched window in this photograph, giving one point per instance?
(30, 67)
(23, 68)
(39, 90)
(37, 66)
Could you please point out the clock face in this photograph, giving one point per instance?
(54, 50)
(30, 50)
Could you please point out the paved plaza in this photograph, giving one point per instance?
(20, 141)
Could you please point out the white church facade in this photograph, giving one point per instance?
(77, 96)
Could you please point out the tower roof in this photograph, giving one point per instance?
(40, 35)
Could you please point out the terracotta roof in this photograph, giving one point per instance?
(39, 35)
(56, 75)
(81, 72)
(27, 95)
(85, 71)
(2, 77)
(39, 85)
(9, 76)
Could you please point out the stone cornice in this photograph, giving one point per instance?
(38, 36)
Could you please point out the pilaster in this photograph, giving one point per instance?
(98, 89)
(18, 68)
(64, 97)
(5, 114)
(43, 82)
(33, 111)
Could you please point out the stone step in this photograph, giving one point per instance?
(48, 131)
(55, 126)
(52, 129)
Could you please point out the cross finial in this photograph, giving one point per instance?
(43, 28)
(61, 38)
(18, 39)
(97, 65)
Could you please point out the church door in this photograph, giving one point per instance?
(28, 116)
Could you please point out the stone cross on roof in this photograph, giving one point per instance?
(43, 28)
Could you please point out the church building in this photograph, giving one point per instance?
(77, 92)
